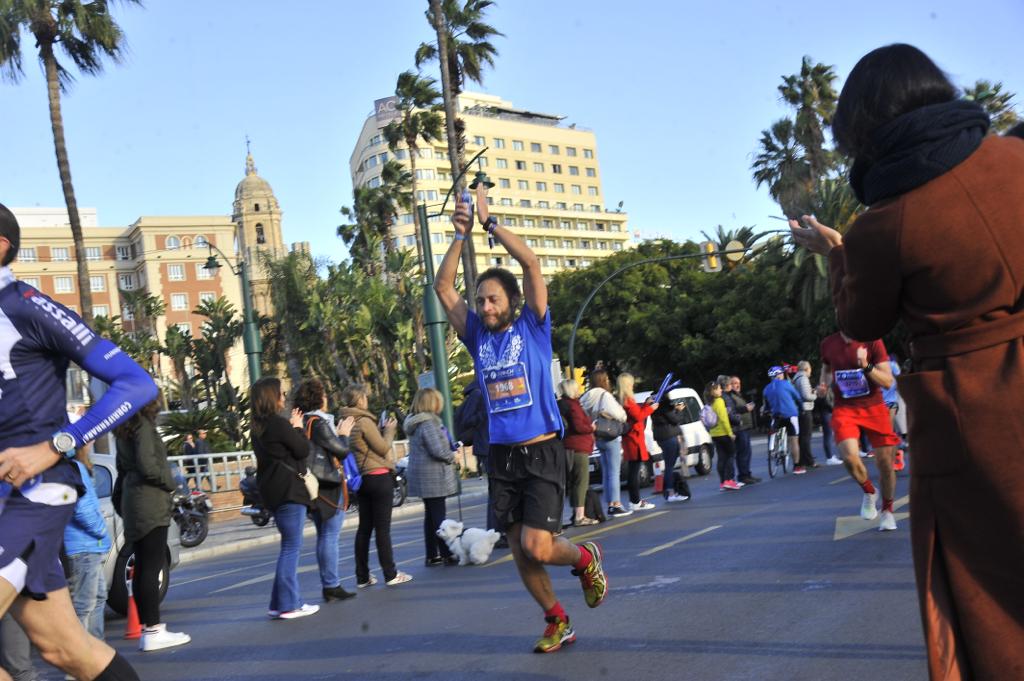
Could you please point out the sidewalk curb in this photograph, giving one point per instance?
(410, 507)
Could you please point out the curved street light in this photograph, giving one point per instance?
(250, 333)
(733, 253)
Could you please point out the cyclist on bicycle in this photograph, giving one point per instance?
(784, 406)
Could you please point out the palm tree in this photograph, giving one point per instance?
(462, 48)
(417, 102)
(723, 236)
(178, 347)
(782, 165)
(86, 33)
(996, 102)
(813, 96)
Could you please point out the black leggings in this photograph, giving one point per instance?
(375, 497)
(434, 513)
(633, 480)
(150, 556)
(726, 457)
(806, 426)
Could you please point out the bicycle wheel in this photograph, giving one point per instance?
(785, 460)
(773, 448)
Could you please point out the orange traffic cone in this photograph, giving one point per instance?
(659, 483)
(133, 628)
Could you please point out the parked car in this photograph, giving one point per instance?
(119, 561)
(698, 450)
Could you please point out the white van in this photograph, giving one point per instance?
(120, 559)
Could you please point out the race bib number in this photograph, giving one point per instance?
(852, 383)
(507, 388)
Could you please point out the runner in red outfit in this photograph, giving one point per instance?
(858, 371)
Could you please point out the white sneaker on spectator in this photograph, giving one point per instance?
(867, 506)
(305, 610)
(400, 578)
(833, 461)
(673, 498)
(888, 522)
(157, 638)
(642, 505)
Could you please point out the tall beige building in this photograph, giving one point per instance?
(547, 183)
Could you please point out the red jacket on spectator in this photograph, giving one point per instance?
(579, 428)
(634, 442)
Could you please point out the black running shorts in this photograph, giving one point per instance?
(527, 484)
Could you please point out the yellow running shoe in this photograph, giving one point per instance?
(592, 578)
(557, 633)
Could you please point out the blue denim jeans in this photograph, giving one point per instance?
(88, 590)
(327, 547)
(743, 453)
(670, 452)
(285, 594)
(611, 469)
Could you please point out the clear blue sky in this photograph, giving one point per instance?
(676, 92)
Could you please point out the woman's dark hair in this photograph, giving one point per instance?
(885, 84)
(10, 230)
(508, 282)
(264, 396)
(352, 392)
(309, 396)
(599, 379)
(127, 430)
(707, 391)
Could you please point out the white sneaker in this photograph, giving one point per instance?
(888, 523)
(157, 638)
(400, 578)
(304, 611)
(642, 505)
(673, 498)
(833, 461)
(370, 582)
(867, 506)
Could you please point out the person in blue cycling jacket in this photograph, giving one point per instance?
(784, 404)
(39, 483)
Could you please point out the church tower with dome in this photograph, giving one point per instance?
(257, 218)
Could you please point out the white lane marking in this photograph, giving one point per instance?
(850, 525)
(678, 541)
(658, 582)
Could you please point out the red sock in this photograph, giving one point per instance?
(867, 487)
(584, 560)
(887, 505)
(556, 611)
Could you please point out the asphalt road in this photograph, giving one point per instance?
(777, 581)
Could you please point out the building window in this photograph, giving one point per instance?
(97, 283)
(501, 163)
(512, 222)
(427, 195)
(63, 285)
(179, 301)
(551, 262)
(93, 253)
(599, 226)
(59, 254)
(559, 188)
(577, 206)
(553, 149)
(583, 225)
(574, 170)
(479, 141)
(126, 282)
(410, 240)
(570, 262)
(570, 151)
(174, 242)
(549, 243)
(591, 172)
(400, 154)
(616, 246)
(560, 205)
(207, 297)
(532, 243)
(525, 203)
(439, 154)
(556, 168)
(202, 272)
(504, 183)
(595, 208)
(31, 281)
(184, 327)
(383, 158)
(496, 262)
(588, 153)
(535, 147)
(520, 165)
(576, 189)
(542, 186)
(591, 191)
(122, 253)
(175, 273)
(261, 237)
(568, 243)
(602, 245)
(506, 202)
(27, 255)
(523, 184)
(499, 143)
(200, 242)
(373, 182)
(547, 224)
(565, 224)
(517, 145)
(584, 243)
(371, 162)
(407, 219)
(542, 204)
(529, 222)
(424, 174)
(127, 314)
(538, 167)
(100, 311)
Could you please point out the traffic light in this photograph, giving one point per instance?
(711, 261)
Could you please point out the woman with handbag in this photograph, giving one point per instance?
(431, 471)
(578, 440)
(145, 504)
(328, 446)
(634, 442)
(281, 451)
(376, 465)
(610, 422)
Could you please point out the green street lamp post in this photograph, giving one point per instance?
(733, 252)
(250, 333)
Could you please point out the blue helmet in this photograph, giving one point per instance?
(774, 371)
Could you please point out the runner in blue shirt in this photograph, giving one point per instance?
(39, 484)
(511, 350)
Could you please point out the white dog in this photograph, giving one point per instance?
(472, 546)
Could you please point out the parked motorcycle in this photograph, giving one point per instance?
(254, 508)
(191, 512)
(401, 490)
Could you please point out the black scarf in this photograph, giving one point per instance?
(918, 147)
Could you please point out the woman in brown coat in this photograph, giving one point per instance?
(941, 250)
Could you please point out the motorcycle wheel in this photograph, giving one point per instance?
(400, 493)
(194, 529)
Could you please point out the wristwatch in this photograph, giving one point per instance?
(64, 443)
(868, 369)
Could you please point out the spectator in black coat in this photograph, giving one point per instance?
(665, 426)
